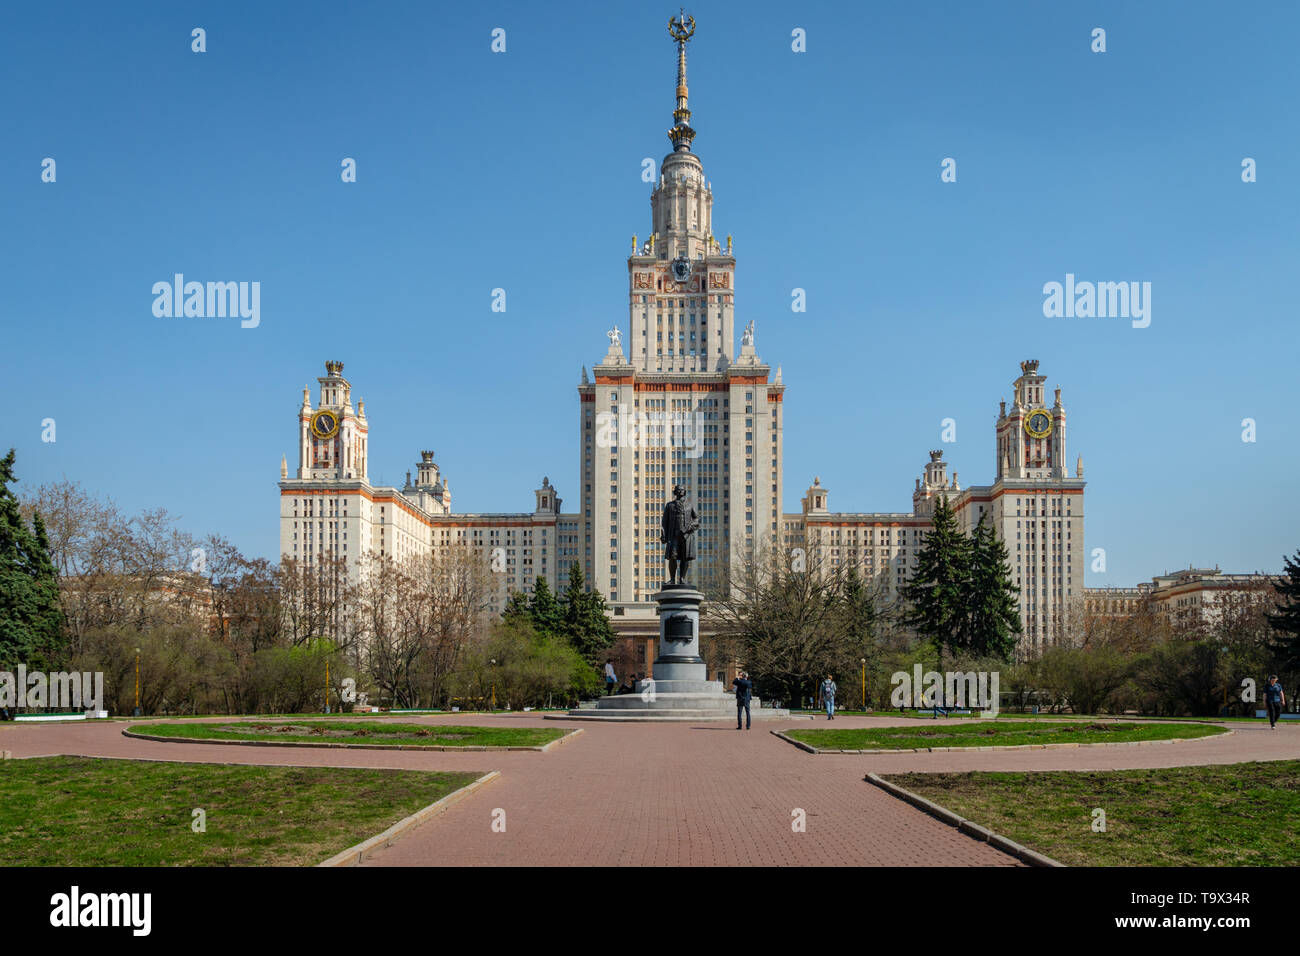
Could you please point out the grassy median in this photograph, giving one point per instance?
(1235, 815)
(997, 734)
(84, 811)
(357, 732)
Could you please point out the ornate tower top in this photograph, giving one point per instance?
(681, 29)
(333, 369)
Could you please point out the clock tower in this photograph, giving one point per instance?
(332, 437)
(1031, 436)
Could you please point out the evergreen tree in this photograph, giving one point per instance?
(518, 609)
(586, 625)
(859, 607)
(31, 621)
(937, 590)
(991, 602)
(548, 617)
(859, 610)
(1286, 620)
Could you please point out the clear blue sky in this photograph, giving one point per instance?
(522, 171)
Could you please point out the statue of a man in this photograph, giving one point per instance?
(679, 523)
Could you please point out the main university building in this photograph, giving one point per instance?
(677, 404)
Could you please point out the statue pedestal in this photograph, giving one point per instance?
(680, 689)
(679, 635)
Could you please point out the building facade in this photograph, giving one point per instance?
(329, 508)
(676, 403)
(1193, 597)
(1034, 505)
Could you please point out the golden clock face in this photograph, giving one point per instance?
(324, 424)
(1038, 424)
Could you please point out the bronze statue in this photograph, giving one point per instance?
(679, 523)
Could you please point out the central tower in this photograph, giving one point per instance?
(673, 403)
(681, 278)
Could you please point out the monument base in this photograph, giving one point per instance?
(680, 688)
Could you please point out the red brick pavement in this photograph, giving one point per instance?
(695, 794)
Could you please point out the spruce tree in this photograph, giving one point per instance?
(938, 588)
(31, 620)
(547, 616)
(1286, 620)
(586, 625)
(992, 604)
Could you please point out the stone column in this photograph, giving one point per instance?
(679, 635)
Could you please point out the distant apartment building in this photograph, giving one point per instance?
(1193, 597)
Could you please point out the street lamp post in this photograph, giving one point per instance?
(327, 685)
(864, 683)
(493, 662)
(137, 683)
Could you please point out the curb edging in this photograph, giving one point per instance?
(972, 830)
(936, 750)
(355, 854)
(331, 745)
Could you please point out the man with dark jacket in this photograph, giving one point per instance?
(744, 691)
(1275, 700)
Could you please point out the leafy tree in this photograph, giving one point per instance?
(1286, 620)
(30, 615)
(991, 603)
(522, 667)
(578, 618)
(938, 590)
(1085, 678)
(790, 628)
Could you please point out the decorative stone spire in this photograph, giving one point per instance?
(681, 30)
(284, 467)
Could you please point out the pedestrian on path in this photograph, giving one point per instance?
(744, 691)
(610, 678)
(1274, 700)
(828, 696)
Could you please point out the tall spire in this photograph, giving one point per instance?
(681, 30)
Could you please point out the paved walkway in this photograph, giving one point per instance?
(701, 794)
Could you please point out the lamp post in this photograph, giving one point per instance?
(493, 662)
(864, 683)
(137, 683)
(327, 685)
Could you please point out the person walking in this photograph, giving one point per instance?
(828, 696)
(744, 692)
(610, 678)
(1274, 700)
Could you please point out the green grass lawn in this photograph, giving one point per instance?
(358, 732)
(996, 734)
(81, 811)
(1012, 715)
(1236, 815)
